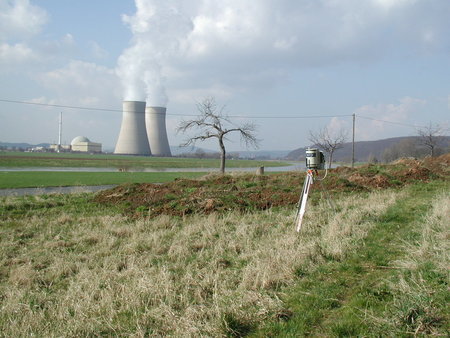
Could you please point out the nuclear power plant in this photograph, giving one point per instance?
(155, 122)
(143, 130)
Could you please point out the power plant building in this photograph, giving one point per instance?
(83, 145)
(133, 134)
(155, 122)
(143, 131)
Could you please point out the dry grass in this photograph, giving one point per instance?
(435, 242)
(78, 273)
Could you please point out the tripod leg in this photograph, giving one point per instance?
(305, 182)
(303, 200)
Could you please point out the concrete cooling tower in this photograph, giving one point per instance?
(155, 121)
(133, 135)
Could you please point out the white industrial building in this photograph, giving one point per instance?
(84, 145)
(63, 148)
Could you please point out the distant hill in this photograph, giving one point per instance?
(256, 154)
(22, 145)
(366, 149)
(262, 154)
(177, 150)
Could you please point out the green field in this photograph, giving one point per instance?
(31, 179)
(21, 159)
(220, 257)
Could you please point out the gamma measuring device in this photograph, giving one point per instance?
(315, 161)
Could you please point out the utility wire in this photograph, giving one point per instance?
(171, 114)
(231, 116)
(288, 117)
(391, 122)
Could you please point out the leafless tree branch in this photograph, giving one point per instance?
(328, 142)
(429, 137)
(211, 123)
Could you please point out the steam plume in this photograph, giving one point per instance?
(157, 27)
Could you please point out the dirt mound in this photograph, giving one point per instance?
(407, 161)
(417, 173)
(376, 181)
(438, 165)
(220, 193)
(443, 159)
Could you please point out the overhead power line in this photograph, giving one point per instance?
(391, 122)
(171, 114)
(231, 116)
(76, 107)
(288, 117)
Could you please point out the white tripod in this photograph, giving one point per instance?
(309, 180)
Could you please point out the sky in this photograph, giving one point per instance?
(281, 64)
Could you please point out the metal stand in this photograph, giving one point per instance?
(309, 180)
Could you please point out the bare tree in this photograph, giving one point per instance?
(328, 142)
(429, 137)
(213, 123)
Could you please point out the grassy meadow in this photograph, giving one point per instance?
(31, 179)
(21, 159)
(375, 264)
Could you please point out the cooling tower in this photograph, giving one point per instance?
(133, 135)
(155, 121)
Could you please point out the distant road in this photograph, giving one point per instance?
(54, 190)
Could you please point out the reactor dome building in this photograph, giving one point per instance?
(83, 145)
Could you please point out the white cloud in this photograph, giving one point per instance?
(235, 43)
(50, 50)
(97, 51)
(301, 32)
(20, 20)
(338, 126)
(68, 40)
(396, 113)
(22, 48)
(188, 96)
(13, 55)
(88, 84)
(390, 4)
(372, 121)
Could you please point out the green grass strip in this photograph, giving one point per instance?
(351, 297)
(20, 159)
(31, 179)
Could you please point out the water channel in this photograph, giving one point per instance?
(295, 166)
(54, 190)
